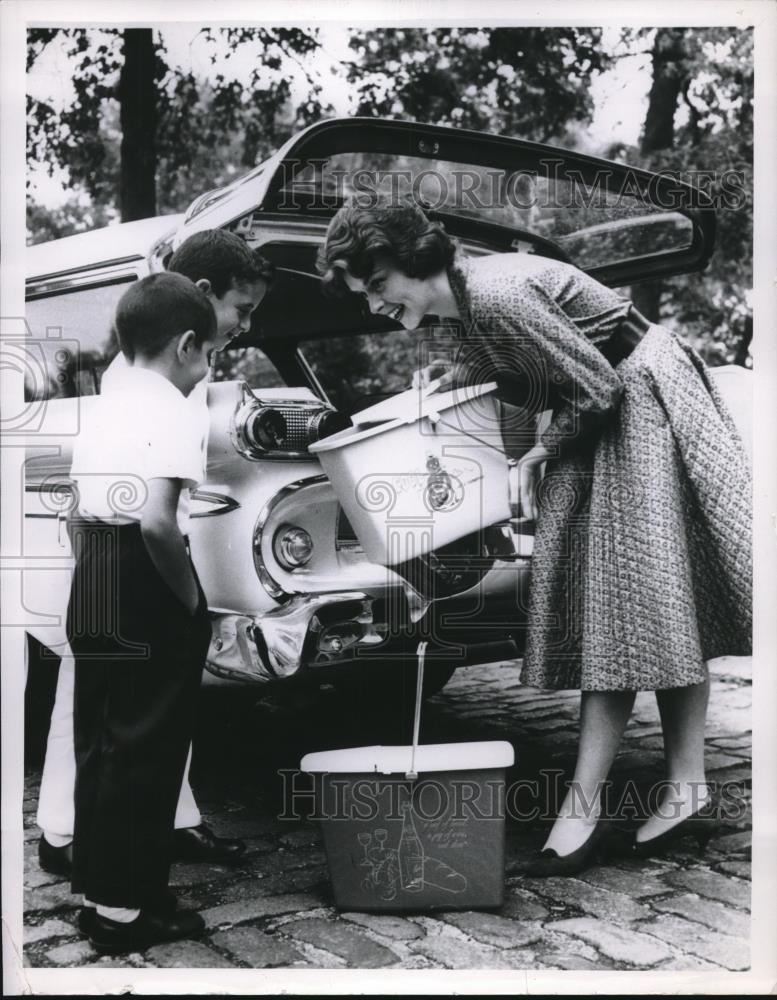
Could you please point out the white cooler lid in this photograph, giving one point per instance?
(396, 760)
(413, 404)
(406, 408)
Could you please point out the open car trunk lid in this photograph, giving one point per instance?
(618, 223)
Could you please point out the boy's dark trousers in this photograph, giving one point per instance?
(139, 656)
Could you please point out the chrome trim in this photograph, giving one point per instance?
(234, 652)
(46, 487)
(277, 639)
(319, 390)
(270, 584)
(285, 630)
(43, 288)
(225, 504)
(63, 492)
(211, 197)
(246, 408)
(95, 269)
(161, 247)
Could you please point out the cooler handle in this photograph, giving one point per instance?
(412, 774)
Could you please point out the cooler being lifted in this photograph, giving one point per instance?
(420, 470)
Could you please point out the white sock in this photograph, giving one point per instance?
(57, 839)
(121, 914)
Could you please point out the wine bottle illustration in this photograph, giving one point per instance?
(410, 853)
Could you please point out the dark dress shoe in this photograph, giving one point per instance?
(550, 862)
(110, 937)
(55, 860)
(200, 843)
(86, 917)
(165, 905)
(701, 828)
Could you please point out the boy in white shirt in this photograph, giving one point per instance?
(137, 619)
(235, 278)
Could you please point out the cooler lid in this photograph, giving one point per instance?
(405, 408)
(396, 760)
(414, 404)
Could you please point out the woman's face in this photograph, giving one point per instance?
(390, 292)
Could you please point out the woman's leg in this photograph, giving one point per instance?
(683, 716)
(603, 718)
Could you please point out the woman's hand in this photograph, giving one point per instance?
(525, 478)
(438, 368)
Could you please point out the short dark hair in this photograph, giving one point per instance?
(222, 258)
(379, 226)
(158, 309)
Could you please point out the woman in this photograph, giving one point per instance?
(641, 568)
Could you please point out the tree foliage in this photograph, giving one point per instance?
(711, 308)
(74, 216)
(529, 82)
(711, 76)
(74, 137)
(201, 124)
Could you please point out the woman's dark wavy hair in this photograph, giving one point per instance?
(369, 227)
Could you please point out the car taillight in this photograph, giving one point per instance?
(280, 429)
(267, 430)
(293, 546)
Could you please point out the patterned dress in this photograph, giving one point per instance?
(642, 558)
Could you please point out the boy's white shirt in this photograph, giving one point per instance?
(140, 427)
(198, 397)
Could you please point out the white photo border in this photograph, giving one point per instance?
(15, 17)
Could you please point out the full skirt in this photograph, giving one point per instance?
(642, 566)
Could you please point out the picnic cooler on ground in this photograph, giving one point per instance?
(419, 470)
(395, 844)
(413, 828)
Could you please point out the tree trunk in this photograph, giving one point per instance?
(137, 100)
(742, 349)
(669, 78)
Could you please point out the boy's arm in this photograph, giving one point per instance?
(164, 541)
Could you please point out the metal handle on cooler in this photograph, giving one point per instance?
(412, 774)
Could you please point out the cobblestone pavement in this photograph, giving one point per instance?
(680, 912)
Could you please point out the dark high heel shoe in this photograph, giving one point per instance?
(701, 828)
(550, 862)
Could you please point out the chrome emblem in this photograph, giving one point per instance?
(441, 491)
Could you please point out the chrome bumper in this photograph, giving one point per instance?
(272, 647)
(312, 631)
